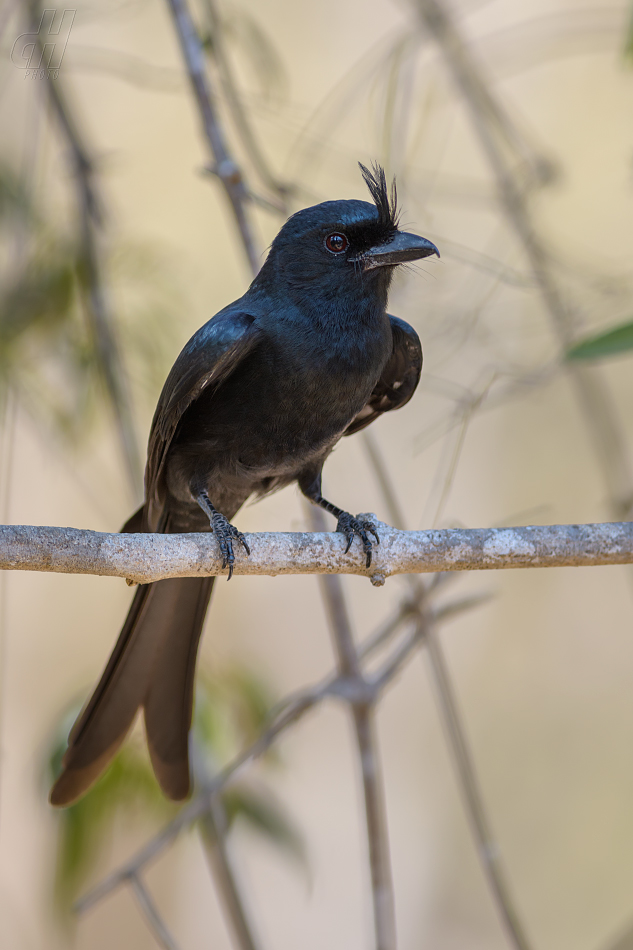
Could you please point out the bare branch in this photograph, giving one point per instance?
(286, 714)
(238, 113)
(199, 807)
(213, 829)
(362, 708)
(490, 121)
(98, 307)
(488, 849)
(426, 632)
(376, 819)
(144, 558)
(150, 912)
(224, 166)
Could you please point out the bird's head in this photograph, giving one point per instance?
(346, 245)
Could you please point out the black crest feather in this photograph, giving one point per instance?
(385, 199)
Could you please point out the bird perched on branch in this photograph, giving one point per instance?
(257, 399)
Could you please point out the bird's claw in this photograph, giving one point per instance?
(226, 533)
(352, 527)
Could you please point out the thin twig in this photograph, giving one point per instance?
(390, 498)
(213, 829)
(384, 633)
(488, 117)
(285, 715)
(213, 821)
(362, 709)
(487, 847)
(426, 632)
(197, 808)
(288, 713)
(98, 307)
(398, 659)
(238, 114)
(224, 165)
(455, 607)
(150, 912)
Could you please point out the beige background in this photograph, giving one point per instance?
(543, 671)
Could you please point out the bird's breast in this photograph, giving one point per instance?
(288, 403)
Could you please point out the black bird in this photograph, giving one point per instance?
(257, 399)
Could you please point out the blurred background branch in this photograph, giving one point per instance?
(223, 165)
(491, 123)
(91, 214)
(427, 635)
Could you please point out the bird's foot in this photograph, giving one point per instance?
(226, 533)
(352, 527)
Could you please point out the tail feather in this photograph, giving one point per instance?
(168, 704)
(160, 636)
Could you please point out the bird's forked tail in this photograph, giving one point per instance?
(152, 665)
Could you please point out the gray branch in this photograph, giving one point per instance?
(213, 830)
(99, 310)
(150, 912)
(287, 713)
(494, 129)
(144, 558)
(362, 698)
(425, 631)
(224, 166)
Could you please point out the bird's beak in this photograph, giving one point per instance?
(401, 248)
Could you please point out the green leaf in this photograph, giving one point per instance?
(613, 342)
(14, 199)
(127, 786)
(261, 810)
(40, 301)
(231, 709)
(231, 706)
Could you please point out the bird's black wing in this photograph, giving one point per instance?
(398, 380)
(153, 660)
(208, 359)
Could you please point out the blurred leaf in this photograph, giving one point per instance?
(231, 707)
(614, 341)
(231, 710)
(48, 353)
(127, 785)
(253, 702)
(40, 300)
(14, 200)
(264, 814)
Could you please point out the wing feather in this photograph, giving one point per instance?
(208, 359)
(399, 378)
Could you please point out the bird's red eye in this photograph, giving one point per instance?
(336, 243)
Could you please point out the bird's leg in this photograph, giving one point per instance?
(347, 524)
(224, 531)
